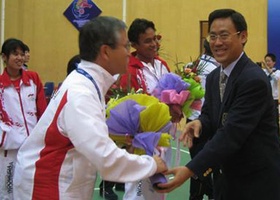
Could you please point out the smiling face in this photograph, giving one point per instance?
(227, 50)
(269, 62)
(15, 60)
(146, 47)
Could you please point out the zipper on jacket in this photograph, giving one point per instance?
(22, 111)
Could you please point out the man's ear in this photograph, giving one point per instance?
(244, 35)
(105, 51)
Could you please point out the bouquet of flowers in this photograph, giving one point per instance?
(190, 74)
(131, 121)
(179, 93)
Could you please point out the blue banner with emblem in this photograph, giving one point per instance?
(81, 11)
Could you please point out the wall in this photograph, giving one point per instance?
(53, 40)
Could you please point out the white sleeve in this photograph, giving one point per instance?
(83, 121)
(275, 75)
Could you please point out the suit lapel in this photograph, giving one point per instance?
(238, 68)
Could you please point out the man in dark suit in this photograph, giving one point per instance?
(243, 150)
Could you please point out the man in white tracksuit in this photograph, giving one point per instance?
(70, 143)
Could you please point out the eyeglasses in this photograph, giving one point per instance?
(223, 36)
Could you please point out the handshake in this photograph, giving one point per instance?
(181, 174)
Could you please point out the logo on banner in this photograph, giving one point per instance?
(81, 11)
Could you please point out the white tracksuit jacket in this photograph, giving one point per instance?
(20, 108)
(70, 143)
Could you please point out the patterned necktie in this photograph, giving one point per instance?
(223, 81)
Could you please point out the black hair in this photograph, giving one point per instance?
(11, 45)
(137, 27)
(272, 56)
(26, 48)
(207, 49)
(73, 63)
(237, 18)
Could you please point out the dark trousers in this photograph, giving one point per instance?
(200, 187)
(218, 184)
(106, 184)
(277, 113)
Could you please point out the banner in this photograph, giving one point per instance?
(81, 11)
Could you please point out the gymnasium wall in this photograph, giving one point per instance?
(53, 40)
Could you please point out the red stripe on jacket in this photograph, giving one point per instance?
(46, 181)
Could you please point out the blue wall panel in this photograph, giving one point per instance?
(274, 29)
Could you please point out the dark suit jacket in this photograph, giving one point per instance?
(244, 144)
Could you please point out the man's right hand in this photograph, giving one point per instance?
(161, 166)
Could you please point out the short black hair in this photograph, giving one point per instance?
(272, 56)
(26, 48)
(207, 49)
(72, 63)
(137, 27)
(11, 45)
(236, 17)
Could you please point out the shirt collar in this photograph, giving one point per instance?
(231, 66)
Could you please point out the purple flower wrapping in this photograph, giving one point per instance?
(125, 120)
(170, 81)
